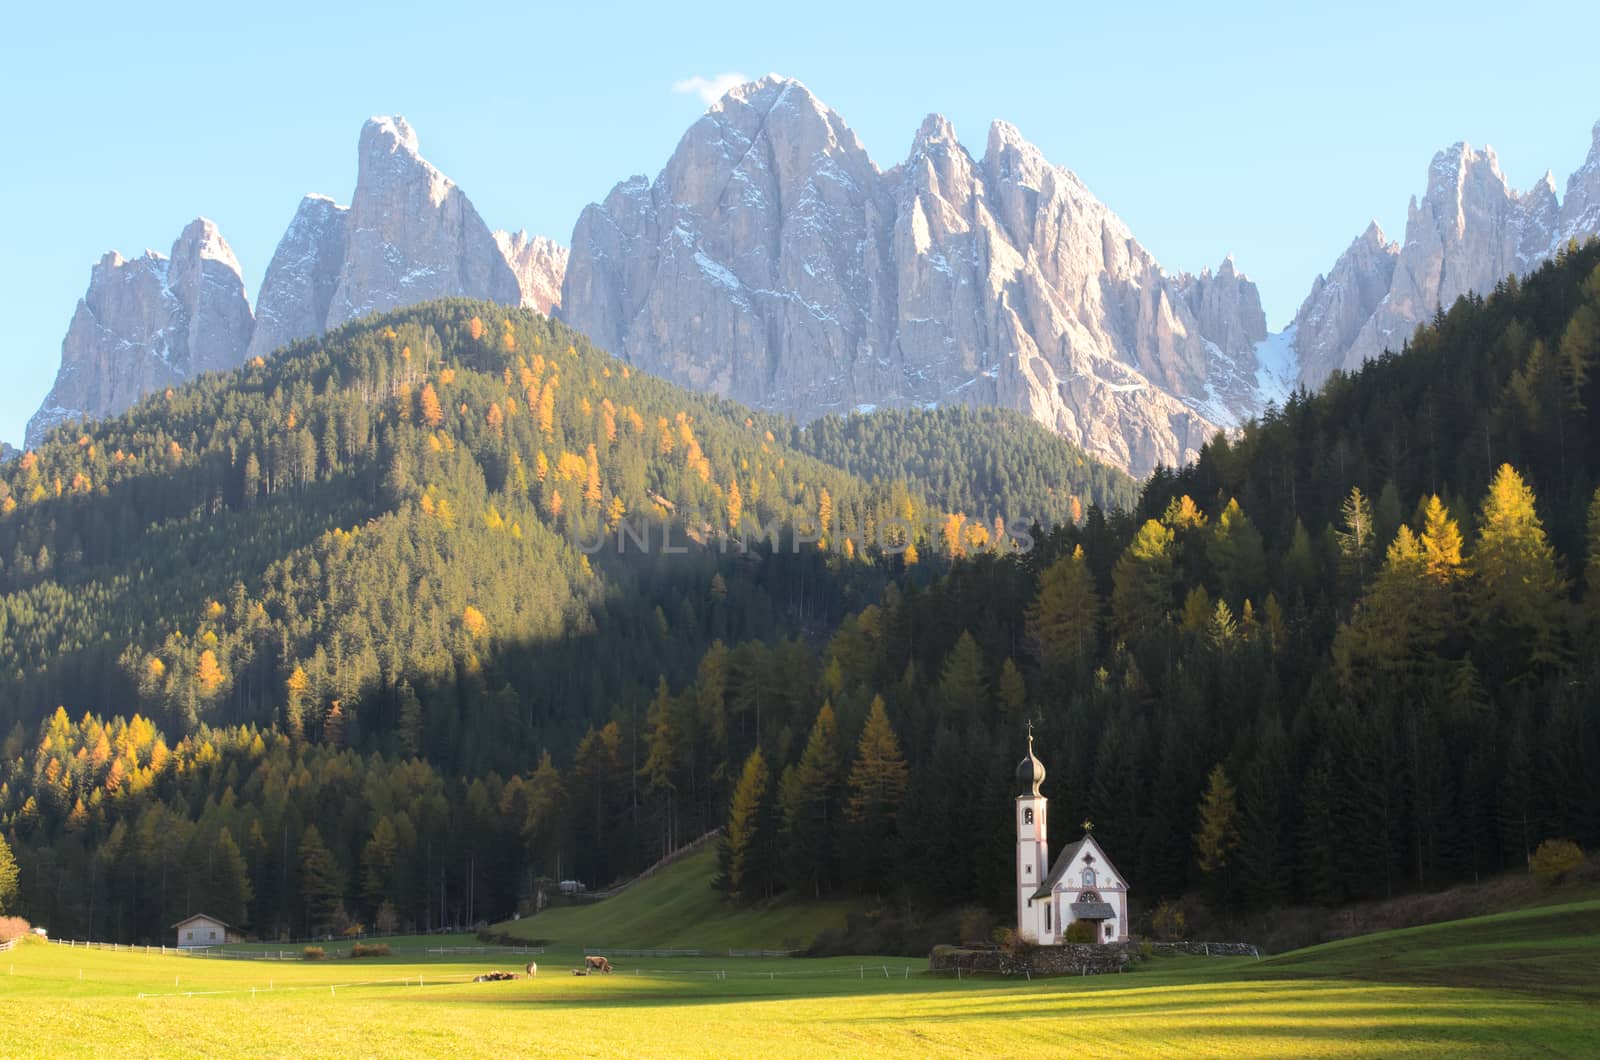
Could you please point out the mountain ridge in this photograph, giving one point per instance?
(774, 261)
(1469, 231)
(409, 235)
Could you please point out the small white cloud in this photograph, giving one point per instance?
(709, 89)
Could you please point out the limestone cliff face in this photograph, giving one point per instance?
(1469, 231)
(297, 290)
(539, 263)
(147, 324)
(1580, 212)
(1342, 302)
(411, 234)
(773, 262)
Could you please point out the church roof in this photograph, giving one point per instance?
(1059, 869)
(1064, 861)
(1093, 910)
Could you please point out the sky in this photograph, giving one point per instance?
(1273, 132)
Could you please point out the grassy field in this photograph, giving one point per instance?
(1551, 951)
(677, 909)
(56, 1001)
(1524, 983)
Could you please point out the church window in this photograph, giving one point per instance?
(1027, 815)
(1047, 917)
(1088, 877)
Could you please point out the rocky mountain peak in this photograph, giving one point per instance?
(408, 235)
(540, 264)
(389, 135)
(1468, 232)
(772, 261)
(935, 129)
(297, 290)
(1580, 212)
(146, 324)
(201, 240)
(1010, 157)
(412, 234)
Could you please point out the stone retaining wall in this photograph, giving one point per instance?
(1072, 958)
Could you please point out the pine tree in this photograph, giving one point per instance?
(1265, 788)
(664, 762)
(321, 882)
(1064, 618)
(411, 720)
(1217, 835)
(810, 807)
(1222, 630)
(1441, 543)
(735, 505)
(1519, 595)
(9, 878)
(1013, 690)
(748, 843)
(1236, 553)
(379, 860)
(1396, 632)
(1355, 535)
(1300, 562)
(1579, 350)
(1591, 570)
(877, 786)
(432, 412)
(230, 891)
(1141, 583)
(962, 691)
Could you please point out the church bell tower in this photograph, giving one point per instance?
(1032, 849)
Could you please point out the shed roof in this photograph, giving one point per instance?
(201, 916)
(1092, 910)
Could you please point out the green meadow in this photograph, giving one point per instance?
(677, 909)
(1525, 983)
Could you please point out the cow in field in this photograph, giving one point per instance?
(597, 964)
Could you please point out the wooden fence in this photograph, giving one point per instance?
(224, 953)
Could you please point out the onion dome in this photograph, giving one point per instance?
(1030, 772)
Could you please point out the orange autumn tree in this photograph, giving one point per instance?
(432, 413)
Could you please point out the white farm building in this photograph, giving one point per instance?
(201, 930)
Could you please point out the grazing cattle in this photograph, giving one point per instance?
(597, 964)
(532, 969)
(493, 977)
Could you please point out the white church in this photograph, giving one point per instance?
(1082, 885)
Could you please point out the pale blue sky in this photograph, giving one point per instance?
(1211, 128)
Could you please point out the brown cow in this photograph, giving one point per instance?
(597, 964)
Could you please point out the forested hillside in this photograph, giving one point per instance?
(1347, 654)
(1350, 654)
(397, 514)
(981, 461)
(457, 533)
